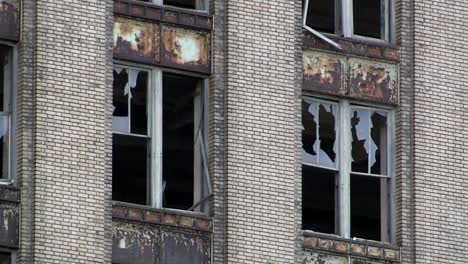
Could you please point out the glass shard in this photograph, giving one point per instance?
(138, 102)
(309, 132)
(360, 140)
(120, 118)
(378, 147)
(327, 135)
(367, 16)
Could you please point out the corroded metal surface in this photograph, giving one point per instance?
(9, 19)
(185, 49)
(136, 40)
(134, 243)
(182, 248)
(373, 80)
(319, 258)
(9, 225)
(323, 72)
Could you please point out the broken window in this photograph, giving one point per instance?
(6, 84)
(159, 151)
(188, 4)
(348, 18)
(335, 181)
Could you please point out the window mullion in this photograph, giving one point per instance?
(156, 139)
(347, 18)
(345, 165)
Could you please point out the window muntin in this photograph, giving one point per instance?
(358, 191)
(159, 150)
(367, 19)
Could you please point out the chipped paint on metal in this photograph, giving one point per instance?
(9, 225)
(373, 80)
(182, 247)
(186, 49)
(323, 72)
(136, 40)
(134, 243)
(320, 258)
(9, 19)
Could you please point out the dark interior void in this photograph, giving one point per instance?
(327, 133)
(130, 169)
(4, 81)
(5, 258)
(360, 141)
(181, 3)
(321, 15)
(366, 207)
(318, 199)
(138, 102)
(309, 133)
(378, 151)
(367, 18)
(4, 54)
(178, 140)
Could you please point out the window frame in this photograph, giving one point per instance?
(347, 22)
(344, 173)
(155, 134)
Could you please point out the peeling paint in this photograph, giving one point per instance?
(187, 49)
(9, 225)
(323, 72)
(181, 248)
(319, 258)
(9, 19)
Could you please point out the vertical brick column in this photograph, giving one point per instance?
(261, 143)
(71, 126)
(441, 131)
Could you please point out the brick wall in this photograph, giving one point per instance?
(71, 132)
(440, 131)
(261, 147)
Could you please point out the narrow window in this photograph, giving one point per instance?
(5, 110)
(319, 174)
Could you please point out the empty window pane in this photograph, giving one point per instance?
(130, 169)
(309, 132)
(378, 145)
(327, 135)
(360, 140)
(368, 18)
(138, 101)
(369, 207)
(178, 140)
(120, 119)
(181, 3)
(5, 258)
(318, 199)
(321, 15)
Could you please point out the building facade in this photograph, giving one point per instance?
(222, 131)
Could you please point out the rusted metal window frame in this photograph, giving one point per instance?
(343, 213)
(154, 93)
(347, 22)
(10, 114)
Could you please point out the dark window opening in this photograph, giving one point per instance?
(5, 89)
(360, 141)
(178, 140)
(5, 258)
(321, 15)
(181, 3)
(368, 19)
(318, 199)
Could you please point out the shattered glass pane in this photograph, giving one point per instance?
(309, 132)
(327, 135)
(378, 147)
(367, 16)
(120, 119)
(138, 102)
(360, 140)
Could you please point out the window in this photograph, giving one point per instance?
(159, 154)
(367, 19)
(6, 87)
(6, 257)
(188, 4)
(347, 169)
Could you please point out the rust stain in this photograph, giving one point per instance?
(9, 19)
(373, 80)
(135, 40)
(180, 248)
(188, 49)
(323, 72)
(9, 225)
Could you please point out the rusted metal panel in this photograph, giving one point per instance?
(9, 19)
(134, 243)
(181, 248)
(323, 72)
(186, 49)
(320, 258)
(9, 225)
(373, 80)
(136, 40)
